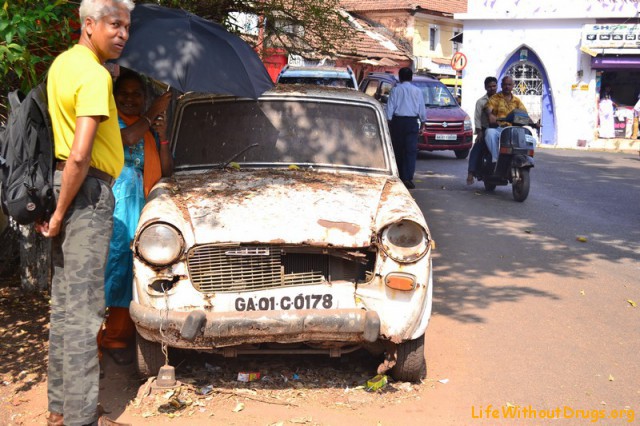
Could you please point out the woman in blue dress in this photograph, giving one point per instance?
(147, 158)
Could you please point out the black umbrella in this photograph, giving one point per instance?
(192, 54)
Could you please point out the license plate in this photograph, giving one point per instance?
(285, 303)
(445, 137)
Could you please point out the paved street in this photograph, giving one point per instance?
(527, 319)
(525, 314)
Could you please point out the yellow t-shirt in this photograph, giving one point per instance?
(501, 107)
(79, 86)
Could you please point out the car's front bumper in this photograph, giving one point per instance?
(427, 142)
(205, 330)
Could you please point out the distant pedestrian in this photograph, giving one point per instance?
(405, 111)
(89, 156)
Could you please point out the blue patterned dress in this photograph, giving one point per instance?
(129, 195)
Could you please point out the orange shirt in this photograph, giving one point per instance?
(500, 107)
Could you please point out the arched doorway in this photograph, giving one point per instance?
(532, 86)
(527, 85)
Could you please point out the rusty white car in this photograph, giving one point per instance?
(284, 229)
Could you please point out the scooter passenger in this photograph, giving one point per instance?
(481, 124)
(500, 105)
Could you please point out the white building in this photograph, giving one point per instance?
(560, 53)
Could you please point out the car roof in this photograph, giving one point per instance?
(297, 90)
(321, 71)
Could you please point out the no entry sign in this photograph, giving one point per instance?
(458, 61)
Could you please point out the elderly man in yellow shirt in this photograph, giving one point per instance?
(498, 107)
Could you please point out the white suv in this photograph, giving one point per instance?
(324, 76)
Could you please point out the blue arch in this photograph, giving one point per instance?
(548, 136)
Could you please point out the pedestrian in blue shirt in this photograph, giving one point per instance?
(405, 112)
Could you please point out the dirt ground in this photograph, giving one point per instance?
(309, 390)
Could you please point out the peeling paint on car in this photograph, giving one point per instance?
(285, 253)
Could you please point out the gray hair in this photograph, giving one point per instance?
(98, 9)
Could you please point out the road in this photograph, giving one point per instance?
(527, 319)
(525, 314)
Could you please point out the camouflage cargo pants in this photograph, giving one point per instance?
(77, 302)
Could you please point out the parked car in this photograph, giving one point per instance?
(324, 76)
(299, 238)
(447, 127)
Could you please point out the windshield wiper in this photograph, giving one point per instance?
(224, 164)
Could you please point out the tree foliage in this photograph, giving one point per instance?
(297, 26)
(33, 32)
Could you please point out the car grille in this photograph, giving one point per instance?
(445, 126)
(242, 268)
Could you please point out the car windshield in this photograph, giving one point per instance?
(286, 131)
(322, 81)
(436, 94)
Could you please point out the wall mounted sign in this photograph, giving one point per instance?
(611, 36)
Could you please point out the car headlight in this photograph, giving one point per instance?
(467, 123)
(405, 241)
(160, 244)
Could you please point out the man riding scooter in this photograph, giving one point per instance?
(498, 107)
(481, 124)
(508, 156)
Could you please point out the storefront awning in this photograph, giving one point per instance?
(616, 62)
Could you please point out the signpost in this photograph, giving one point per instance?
(458, 62)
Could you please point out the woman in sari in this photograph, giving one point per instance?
(147, 159)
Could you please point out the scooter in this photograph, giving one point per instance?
(517, 146)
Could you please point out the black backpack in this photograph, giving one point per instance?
(26, 158)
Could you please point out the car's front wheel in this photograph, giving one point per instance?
(410, 363)
(149, 356)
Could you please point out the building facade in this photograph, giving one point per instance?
(560, 55)
(425, 28)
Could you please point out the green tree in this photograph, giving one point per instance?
(297, 26)
(32, 33)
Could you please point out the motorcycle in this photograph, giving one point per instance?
(515, 159)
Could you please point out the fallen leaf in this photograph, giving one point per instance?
(528, 231)
(632, 303)
(611, 379)
(293, 167)
(511, 405)
(234, 165)
(444, 381)
(417, 180)
(582, 239)
(582, 292)
(239, 407)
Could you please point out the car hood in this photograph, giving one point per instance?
(446, 114)
(281, 207)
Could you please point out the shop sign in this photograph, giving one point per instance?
(611, 36)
